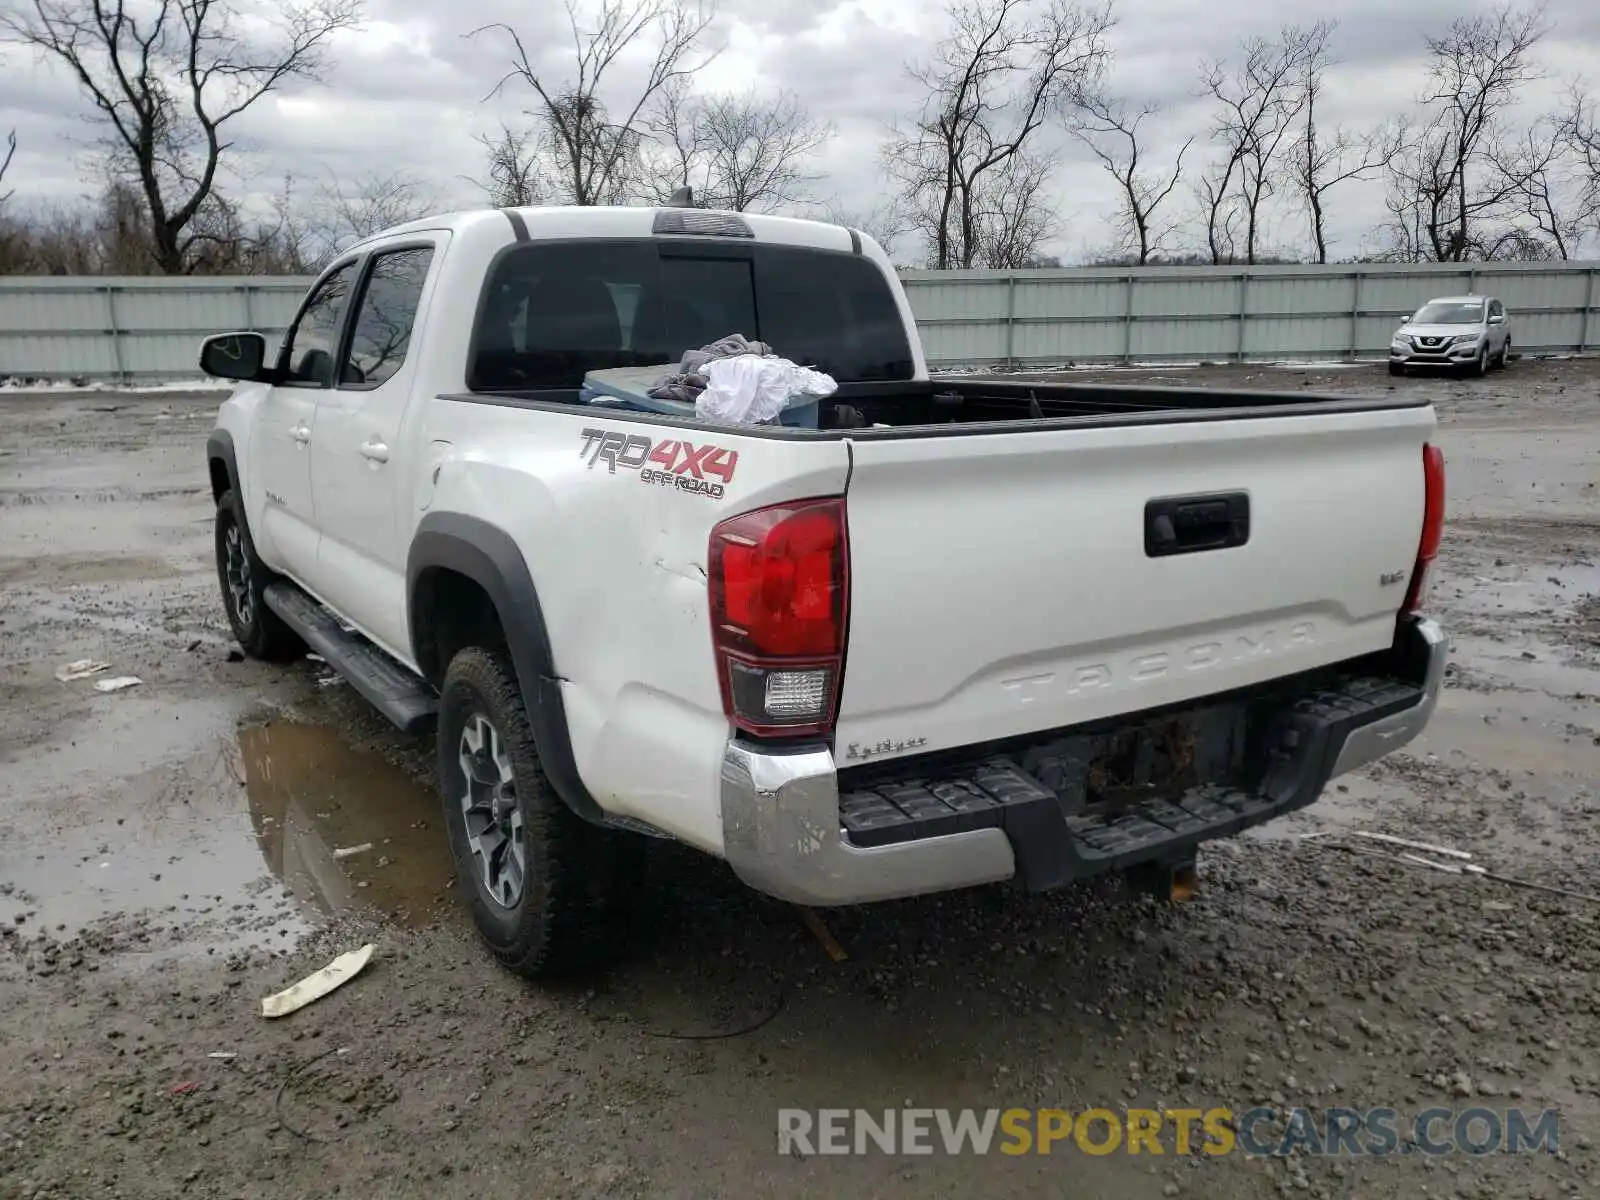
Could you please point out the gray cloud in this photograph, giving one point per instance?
(408, 93)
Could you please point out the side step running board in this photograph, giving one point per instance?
(399, 695)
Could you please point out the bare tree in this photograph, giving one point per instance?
(305, 231)
(1579, 132)
(517, 168)
(741, 152)
(5, 165)
(349, 208)
(678, 143)
(167, 79)
(1322, 160)
(1535, 172)
(111, 235)
(289, 233)
(1015, 217)
(885, 222)
(594, 153)
(1550, 169)
(1417, 185)
(1007, 66)
(1220, 211)
(1257, 103)
(1476, 70)
(1110, 128)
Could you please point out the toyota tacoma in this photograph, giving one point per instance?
(944, 633)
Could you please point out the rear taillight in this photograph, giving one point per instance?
(1432, 527)
(779, 583)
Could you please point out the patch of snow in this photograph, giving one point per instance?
(1317, 364)
(94, 386)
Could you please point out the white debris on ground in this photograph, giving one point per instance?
(315, 986)
(81, 669)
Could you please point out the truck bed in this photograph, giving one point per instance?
(1026, 557)
(941, 407)
(937, 404)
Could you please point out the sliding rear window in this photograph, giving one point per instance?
(553, 311)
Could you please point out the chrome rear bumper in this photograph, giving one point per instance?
(1368, 743)
(783, 834)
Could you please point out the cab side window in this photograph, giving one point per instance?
(388, 311)
(1496, 309)
(308, 352)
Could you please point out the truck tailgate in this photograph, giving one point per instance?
(1001, 583)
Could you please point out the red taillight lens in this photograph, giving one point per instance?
(1432, 527)
(779, 591)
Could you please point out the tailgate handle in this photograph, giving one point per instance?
(1190, 524)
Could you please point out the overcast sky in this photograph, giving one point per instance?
(408, 91)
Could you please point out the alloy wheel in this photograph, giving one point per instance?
(236, 568)
(490, 811)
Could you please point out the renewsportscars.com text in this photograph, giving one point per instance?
(1257, 1131)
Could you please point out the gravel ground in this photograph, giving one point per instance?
(166, 859)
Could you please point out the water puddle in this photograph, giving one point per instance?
(1536, 735)
(313, 800)
(1528, 725)
(237, 846)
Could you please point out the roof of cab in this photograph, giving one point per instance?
(554, 221)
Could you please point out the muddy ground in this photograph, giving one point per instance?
(166, 859)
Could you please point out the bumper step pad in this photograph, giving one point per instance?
(1056, 837)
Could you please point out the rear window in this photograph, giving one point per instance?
(552, 312)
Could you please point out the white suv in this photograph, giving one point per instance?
(1453, 331)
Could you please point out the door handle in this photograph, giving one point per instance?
(375, 450)
(301, 433)
(1191, 524)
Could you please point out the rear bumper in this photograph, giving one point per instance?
(781, 834)
(785, 822)
(1371, 740)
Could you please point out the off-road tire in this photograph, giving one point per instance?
(260, 632)
(578, 881)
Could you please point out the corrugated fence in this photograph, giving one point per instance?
(1042, 318)
(131, 329)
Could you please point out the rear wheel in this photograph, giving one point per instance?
(545, 888)
(243, 576)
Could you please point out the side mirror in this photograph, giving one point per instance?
(1497, 319)
(234, 356)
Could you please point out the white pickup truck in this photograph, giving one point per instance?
(961, 631)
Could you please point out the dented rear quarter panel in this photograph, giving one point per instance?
(617, 550)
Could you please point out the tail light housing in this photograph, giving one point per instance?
(779, 591)
(1432, 528)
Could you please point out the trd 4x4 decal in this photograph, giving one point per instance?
(679, 465)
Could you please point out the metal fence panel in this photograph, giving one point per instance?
(1045, 318)
(140, 328)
